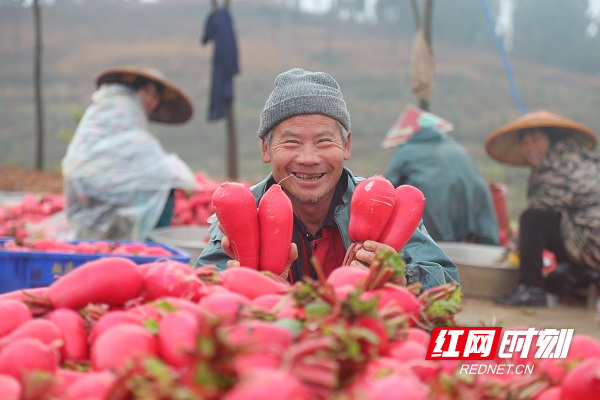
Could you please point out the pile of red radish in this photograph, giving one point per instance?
(112, 329)
(195, 208)
(50, 245)
(33, 208)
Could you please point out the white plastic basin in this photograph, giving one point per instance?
(482, 269)
(189, 238)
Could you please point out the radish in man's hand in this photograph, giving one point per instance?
(276, 224)
(371, 206)
(235, 207)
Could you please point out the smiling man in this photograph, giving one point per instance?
(305, 133)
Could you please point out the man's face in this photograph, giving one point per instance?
(307, 150)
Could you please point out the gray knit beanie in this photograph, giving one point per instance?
(300, 92)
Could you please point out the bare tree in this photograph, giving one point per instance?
(39, 117)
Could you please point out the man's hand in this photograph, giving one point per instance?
(368, 253)
(226, 245)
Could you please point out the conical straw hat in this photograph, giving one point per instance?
(175, 107)
(503, 144)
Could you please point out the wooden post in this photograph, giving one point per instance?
(231, 144)
(39, 153)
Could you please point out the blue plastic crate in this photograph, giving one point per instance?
(31, 269)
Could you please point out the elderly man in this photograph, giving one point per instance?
(306, 137)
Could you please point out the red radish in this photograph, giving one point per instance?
(91, 385)
(261, 384)
(155, 251)
(177, 337)
(115, 348)
(170, 278)
(225, 305)
(583, 381)
(280, 305)
(348, 275)
(11, 388)
(112, 319)
(552, 393)
(371, 206)
(583, 346)
(418, 335)
(407, 351)
(73, 329)
(251, 283)
(236, 210)
(405, 218)
(44, 330)
(110, 280)
(12, 314)
(27, 355)
(54, 245)
(396, 296)
(259, 336)
(276, 224)
(377, 327)
(64, 378)
(247, 362)
(170, 304)
(392, 386)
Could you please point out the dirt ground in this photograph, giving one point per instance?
(475, 312)
(566, 314)
(17, 179)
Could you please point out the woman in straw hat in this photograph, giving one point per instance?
(119, 180)
(563, 210)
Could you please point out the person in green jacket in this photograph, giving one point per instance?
(458, 205)
(306, 137)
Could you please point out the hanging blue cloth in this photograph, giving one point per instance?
(219, 28)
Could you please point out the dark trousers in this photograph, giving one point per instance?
(538, 230)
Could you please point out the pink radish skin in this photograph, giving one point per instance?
(11, 388)
(27, 355)
(371, 206)
(112, 319)
(225, 305)
(24, 295)
(236, 210)
(257, 336)
(348, 275)
(177, 338)
(72, 327)
(276, 224)
(110, 280)
(250, 283)
(170, 278)
(398, 296)
(583, 381)
(114, 349)
(93, 384)
(282, 306)
(43, 330)
(13, 313)
(261, 384)
(64, 379)
(406, 216)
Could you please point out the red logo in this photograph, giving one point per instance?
(463, 343)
